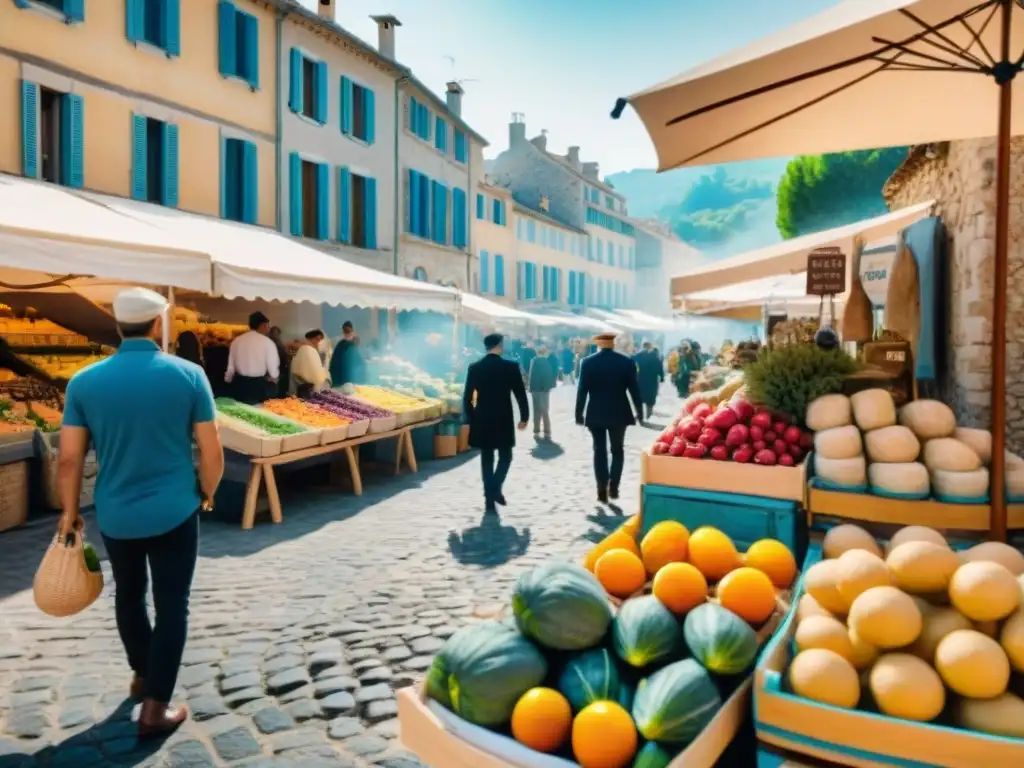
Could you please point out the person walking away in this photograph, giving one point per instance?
(491, 383)
(187, 347)
(284, 378)
(542, 381)
(307, 371)
(526, 356)
(347, 364)
(684, 367)
(141, 409)
(650, 376)
(607, 384)
(568, 362)
(556, 366)
(254, 364)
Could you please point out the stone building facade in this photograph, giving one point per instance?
(960, 176)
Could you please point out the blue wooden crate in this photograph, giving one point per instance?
(423, 442)
(745, 519)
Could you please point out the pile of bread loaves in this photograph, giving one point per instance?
(863, 443)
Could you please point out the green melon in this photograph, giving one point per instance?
(561, 606)
(645, 632)
(591, 676)
(719, 639)
(482, 670)
(675, 703)
(652, 756)
(626, 694)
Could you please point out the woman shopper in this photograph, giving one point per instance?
(542, 381)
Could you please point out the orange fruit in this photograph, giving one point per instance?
(748, 593)
(667, 542)
(616, 540)
(620, 572)
(773, 559)
(604, 736)
(680, 587)
(542, 719)
(712, 552)
(631, 526)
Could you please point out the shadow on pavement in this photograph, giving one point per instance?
(603, 523)
(488, 544)
(546, 450)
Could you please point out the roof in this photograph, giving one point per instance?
(917, 157)
(442, 106)
(503, 191)
(589, 179)
(517, 206)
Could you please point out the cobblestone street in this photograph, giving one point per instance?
(301, 632)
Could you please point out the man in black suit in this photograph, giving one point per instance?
(487, 402)
(607, 384)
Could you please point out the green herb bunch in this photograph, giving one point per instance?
(788, 378)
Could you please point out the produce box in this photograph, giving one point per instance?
(303, 436)
(358, 428)
(445, 447)
(858, 737)
(384, 424)
(238, 436)
(334, 434)
(775, 482)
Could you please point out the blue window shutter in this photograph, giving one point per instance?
(545, 282)
(295, 81)
(459, 223)
(139, 156)
(502, 210)
(479, 206)
(440, 134)
(170, 191)
(320, 108)
(172, 26)
(413, 115)
(133, 19)
(344, 205)
(428, 206)
(227, 38)
(30, 129)
(483, 272)
(225, 163)
(499, 275)
(251, 41)
(295, 194)
(74, 10)
(414, 203)
(250, 183)
(370, 212)
(370, 115)
(346, 106)
(496, 211)
(72, 141)
(323, 201)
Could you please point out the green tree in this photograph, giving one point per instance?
(819, 192)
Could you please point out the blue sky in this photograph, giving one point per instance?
(563, 63)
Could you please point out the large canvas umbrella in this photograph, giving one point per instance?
(864, 74)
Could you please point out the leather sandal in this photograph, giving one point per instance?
(159, 718)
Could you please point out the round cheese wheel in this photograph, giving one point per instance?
(949, 454)
(978, 440)
(928, 419)
(845, 473)
(892, 445)
(910, 478)
(838, 443)
(960, 485)
(1014, 482)
(873, 409)
(829, 411)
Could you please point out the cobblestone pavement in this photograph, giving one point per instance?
(300, 633)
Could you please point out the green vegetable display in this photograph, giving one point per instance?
(561, 606)
(788, 378)
(268, 424)
(652, 756)
(676, 703)
(645, 632)
(591, 676)
(719, 639)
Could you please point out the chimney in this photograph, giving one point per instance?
(385, 35)
(541, 142)
(325, 8)
(454, 97)
(590, 170)
(574, 157)
(517, 129)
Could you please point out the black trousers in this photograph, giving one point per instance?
(608, 439)
(154, 651)
(494, 475)
(252, 390)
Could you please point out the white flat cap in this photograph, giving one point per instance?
(138, 305)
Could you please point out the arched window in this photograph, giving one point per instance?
(419, 274)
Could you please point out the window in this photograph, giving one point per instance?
(499, 275)
(460, 219)
(307, 94)
(461, 153)
(238, 43)
(572, 287)
(519, 229)
(358, 111)
(49, 135)
(572, 245)
(599, 252)
(480, 205)
(154, 161)
(561, 241)
(602, 219)
(73, 10)
(418, 221)
(581, 288)
(357, 209)
(419, 274)
(498, 212)
(632, 257)
(543, 234)
(154, 22)
(419, 119)
(439, 205)
(545, 282)
(531, 231)
(308, 197)
(239, 181)
(484, 272)
(440, 134)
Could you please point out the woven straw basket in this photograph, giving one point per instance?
(63, 585)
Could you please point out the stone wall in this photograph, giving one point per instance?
(961, 178)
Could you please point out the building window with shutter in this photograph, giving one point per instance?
(307, 88)
(357, 209)
(358, 111)
(461, 149)
(239, 181)
(308, 197)
(72, 10)
(154, 161)
(238, 43)
(52, 135)
(499, 275)
(154, 22)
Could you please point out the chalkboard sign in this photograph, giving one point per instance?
(826, 272)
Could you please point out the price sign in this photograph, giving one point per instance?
(826, 272)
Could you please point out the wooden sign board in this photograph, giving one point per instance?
(826, 272)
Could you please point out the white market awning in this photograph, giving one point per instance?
(477, 307)
(646, 321)
(572, 320)
(49, 230)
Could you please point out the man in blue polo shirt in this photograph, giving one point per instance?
(141, 409)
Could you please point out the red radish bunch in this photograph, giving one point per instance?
(735, 431)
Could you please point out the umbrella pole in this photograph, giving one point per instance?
(999, 302)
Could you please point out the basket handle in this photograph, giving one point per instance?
(68, 538)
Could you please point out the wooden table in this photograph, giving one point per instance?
(262, 469)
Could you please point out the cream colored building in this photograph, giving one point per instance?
(134, 98)
(494, 244)
(551, 264)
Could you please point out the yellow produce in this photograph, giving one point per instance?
(858, 571)
(62, 366)
(1012, 639)
(996, 552)
(387, 399)
(820, 581)
(886, 618)
(1002, 716)
(807, 606)
(938, 622)
(864, 653)
(984, 591)
(618, 539)
(903, 685)
(845, 537)
(826, 677)
(666, 542)
(922, 567)
(916, 533)
(972, 664)
(824, 632)
(774, 559)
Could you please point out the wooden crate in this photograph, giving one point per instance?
(445, 446)
(788, 483)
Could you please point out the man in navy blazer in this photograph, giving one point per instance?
(607, 384)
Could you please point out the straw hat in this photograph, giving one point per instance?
(605, 340)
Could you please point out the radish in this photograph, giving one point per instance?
(783, 418)
(781, 447)
(779, 427)
(758, 446)
(762, 420)
(807, 440)
(691, 430)
(744, 410)
(756, 433)
(677, 448)
(667, 436)
(792, 435)
(743, 454)
(770, 437)
(722, 419)
(765, 457)
(786, 460)
(737, 435)
(659, 449)
(796, 452)
(710, 436)
(719, 453)
(702, 411)
(695, 451)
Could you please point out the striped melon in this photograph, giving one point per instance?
(562, 606)
(675, 703)
(588, 677)
(719, 639)
(645, 632)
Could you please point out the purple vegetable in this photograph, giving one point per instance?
(357, 409)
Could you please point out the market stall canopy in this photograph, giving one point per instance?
(477, 307)
(256, 263)
(646, 321)
(860, 75)
(51, 231)
(578, 322)
(790, 256)
(616, 320)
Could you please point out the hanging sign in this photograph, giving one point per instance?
(875, 268)
(826, 272)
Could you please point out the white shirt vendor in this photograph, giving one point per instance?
(253, 362)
